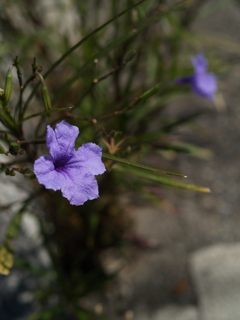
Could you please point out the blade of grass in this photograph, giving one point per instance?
(160, 179)
(140, 166)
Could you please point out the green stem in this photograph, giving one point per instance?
(63, 57)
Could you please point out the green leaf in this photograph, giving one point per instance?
(141, 166)
(6, 258)
(160, 179)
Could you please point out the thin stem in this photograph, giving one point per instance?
(93, 121)
(37, 141)
(19, 103)
(97, 80)
(45, 113)
(121, 111)
(64, 56)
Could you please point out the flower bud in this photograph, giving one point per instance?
(7, 136)
(46, 98)
(149, 93)
(30, 175)
(34, 64)
(14, 148)
(1, 149)
(8, 85)
(10, 172)
(16, 61)
(21, 152)
(25, 170)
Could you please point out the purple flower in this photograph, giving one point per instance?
(69, 170)
(203, 82)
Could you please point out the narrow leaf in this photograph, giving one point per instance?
(160, 179)
(141, 166)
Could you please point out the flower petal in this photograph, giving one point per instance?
(205, 85)
(61, 142)
(200, 63)
(46, 173)
(52, 143)
(188, 79)
(66, 135)
(88, 158)
(77, 187)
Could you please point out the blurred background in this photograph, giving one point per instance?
(183, 261)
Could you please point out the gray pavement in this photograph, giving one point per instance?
(216, 274)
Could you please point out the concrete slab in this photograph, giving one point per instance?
(216, 274)
(173, 312)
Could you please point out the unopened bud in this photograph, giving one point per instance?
(16, 61)
(2, 149)
(34, 64)
(14, 148)
(149, 93)
(30, 175)
(46, 98)
(21, 152)
(40, 69)
(25, 170)
(7, 136)
(10, 172)
(8, 85)
(130, 55)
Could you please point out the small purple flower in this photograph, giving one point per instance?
(203, 82)
(69, 170)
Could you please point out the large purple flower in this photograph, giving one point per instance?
(203, 82)
(69, 170)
